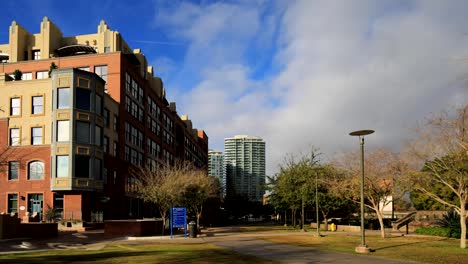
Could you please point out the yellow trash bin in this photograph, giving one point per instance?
(333, 227)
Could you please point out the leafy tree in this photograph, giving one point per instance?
(198, 187)
(329, 202)
(422, 201)
(441, 149)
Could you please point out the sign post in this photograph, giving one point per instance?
(179, 219)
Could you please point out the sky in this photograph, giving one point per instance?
(299, 74)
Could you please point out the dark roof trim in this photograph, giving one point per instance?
(4, 56)
(74, 50)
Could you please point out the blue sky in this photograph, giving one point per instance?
(296, 73)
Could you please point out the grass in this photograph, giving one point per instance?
(134, 253)
(421, 249)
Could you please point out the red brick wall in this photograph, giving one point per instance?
(23, 186)
(72, 204)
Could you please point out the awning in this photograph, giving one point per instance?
(74, 50)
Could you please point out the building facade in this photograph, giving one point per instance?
(245, 167)
(217, 169)
(86, 109)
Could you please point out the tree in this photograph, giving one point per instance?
(329, 202)
(198, 187)
(160, 186)
(168, 185)
(17, 74)
(441, 150)
(295, 185)
(51, 68)
(382, 181)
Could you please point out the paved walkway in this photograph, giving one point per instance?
(230, 238)
(293, 254)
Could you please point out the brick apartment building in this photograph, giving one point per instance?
(67, 141)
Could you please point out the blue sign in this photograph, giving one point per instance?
(178, 217)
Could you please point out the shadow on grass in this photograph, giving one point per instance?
(132, 255)
(409, 243)
(69, 258)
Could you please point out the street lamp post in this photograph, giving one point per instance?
(316, 203)
(362, 248)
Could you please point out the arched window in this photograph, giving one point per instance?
(36, 170)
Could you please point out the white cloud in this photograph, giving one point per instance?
(343, 66)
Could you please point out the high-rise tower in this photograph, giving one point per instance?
(245, 166)
(216, 168)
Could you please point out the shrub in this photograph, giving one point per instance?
(433, 231)
(451, 220)
(17, 75)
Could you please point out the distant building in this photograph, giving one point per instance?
(245, 167)
(216, 168)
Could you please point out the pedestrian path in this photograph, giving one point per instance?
(294, 254)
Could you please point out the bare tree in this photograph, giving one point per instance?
(170, 185)
(441, 150)
(160, 185)
(383, 172)
(197, 188)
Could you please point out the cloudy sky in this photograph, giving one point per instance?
(296, 73)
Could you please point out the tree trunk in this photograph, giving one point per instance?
(163, 216)
(293, 218)
(325, 219)
(463, 226)
(302, 215)
(381, 223)
(198, 214)
(285, 217)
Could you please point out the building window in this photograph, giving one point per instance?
(63, 130)
(36, 170)
(12, 203)
(37, 105)
(116, 123)
(106, 117)
(98, 104)
(83, 99)
(101, 71)
(98, 169)
(14, 136)
(35, 203)
(58, 205)
(15, 106)
(63, 98)
(42, 75)
(82, 132)
(26, 76)
(82, 166)
(13, 170)
(36, 54)
(98, 136)
(62, 166)
(106, 49)
(36, 136)
(115, 149)
(106, 144)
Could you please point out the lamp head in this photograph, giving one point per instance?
(361, 132)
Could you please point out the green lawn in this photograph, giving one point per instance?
(422, 249)
(134, 253)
